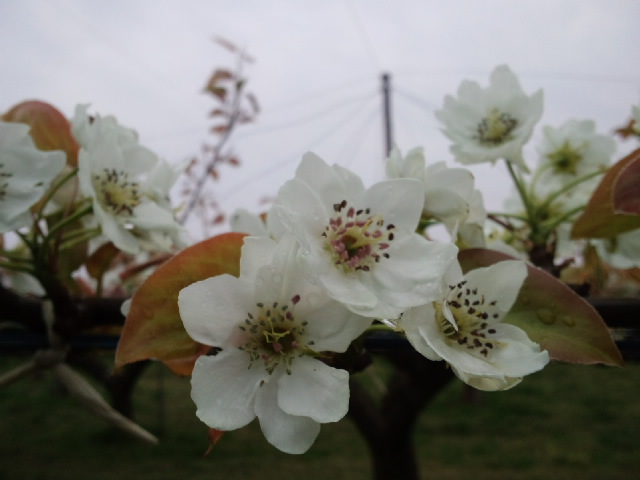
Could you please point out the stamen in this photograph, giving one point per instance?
(470, 311)
(115, 192)
(495, 128)
(355, 238)
(273, 336)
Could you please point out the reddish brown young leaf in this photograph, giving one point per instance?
(50, 129)
(153, 328)
(218, 92)
(100, 260)
(214, 438)
(219, 75)
(626, 189)
(601, 218)
(553, 315)
(220, 128)
(218, 112)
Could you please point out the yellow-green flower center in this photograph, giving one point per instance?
(356, 239)
(115, 192)
(472, 314)
(495, 128)
(565, 159)
(274, 335)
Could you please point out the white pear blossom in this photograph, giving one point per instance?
(267, 224)
(244, 221)
(621, 251)
(360, 244)
(465, 329)
(568, 153)
(450, 194)
(274, 328)
(25, 174)
(487, 124)
(127, 184)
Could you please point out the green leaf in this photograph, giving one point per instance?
(614, 207)
(553, 315)
(153, 328)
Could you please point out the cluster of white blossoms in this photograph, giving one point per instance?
(25, 175)
(127, 183)
(487, 124)
(333, 258)
(567, 154)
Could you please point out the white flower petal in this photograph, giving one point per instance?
(411, 321)
(212, 309)
(331, 326)
(487, 384)
(314, 390)
(244, 221)
(330, 182)
(491, 123)
(398, 201)
(289, 433)
(224, 388)
(25, 174)
(500, 282)
(127, 183)
(256, 252)
(348, 289)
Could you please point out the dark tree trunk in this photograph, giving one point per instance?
(388, 428)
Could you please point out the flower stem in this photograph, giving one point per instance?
(52, 191)
(523, 195)
(567, 187)
(554, 222)
(77, 215)
(15, 267)
(78, 236)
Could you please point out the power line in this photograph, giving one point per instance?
(260, 174)
(362, 31)
(272, 128)
(549, 75)
(360, 134)
(416, 100)
(306, 118)
(316, 94)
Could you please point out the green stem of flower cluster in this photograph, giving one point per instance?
(13, 257)
(53, 190)
(567, 187)
(16, 267)
(78, 236)
(521, 192)
(551, 224)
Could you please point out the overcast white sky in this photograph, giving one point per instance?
(317, 71)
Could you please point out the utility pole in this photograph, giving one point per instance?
(386, 113)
